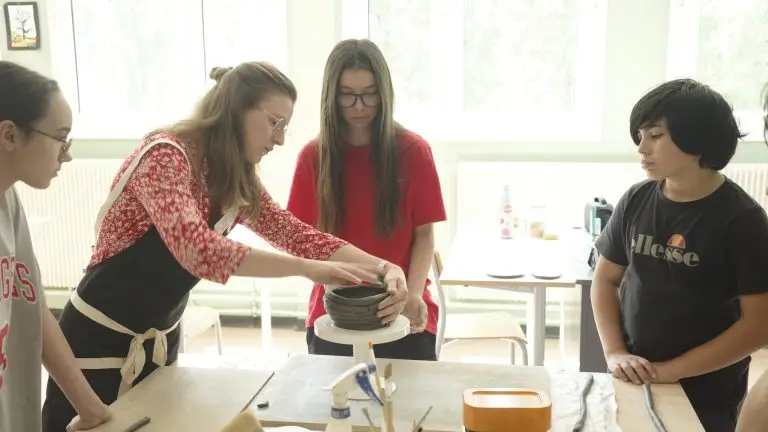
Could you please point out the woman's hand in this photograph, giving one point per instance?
(416, 311)
(392, 306)
(339, 273)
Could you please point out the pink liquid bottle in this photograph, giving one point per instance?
(506, 219)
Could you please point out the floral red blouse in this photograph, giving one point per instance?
(162, 192)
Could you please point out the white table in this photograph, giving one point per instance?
(477, 251)
(296, 397)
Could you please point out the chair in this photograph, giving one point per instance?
(483, 325)
(196, 320)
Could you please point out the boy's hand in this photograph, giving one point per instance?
(628, 367)
(89, 420)
(666, 373)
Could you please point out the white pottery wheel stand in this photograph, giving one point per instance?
(398, 329)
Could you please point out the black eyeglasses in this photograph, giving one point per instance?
(66, 142)
(347, 100)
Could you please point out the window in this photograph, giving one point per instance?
(723, 44)
(131, 66)
(490, 69)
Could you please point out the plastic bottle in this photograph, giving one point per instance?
(507, 219)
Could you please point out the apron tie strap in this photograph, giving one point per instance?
(133, 364)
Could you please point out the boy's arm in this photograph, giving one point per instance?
(60, 363)
(747, 255)
(609, 272)
(605, 305)
(754, 415)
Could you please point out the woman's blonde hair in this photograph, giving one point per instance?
(357, 54)
(216, 127)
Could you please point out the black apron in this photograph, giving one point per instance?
(122, 321)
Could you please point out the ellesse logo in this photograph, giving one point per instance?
(673, 251)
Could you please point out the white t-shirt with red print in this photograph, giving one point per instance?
(22, 302)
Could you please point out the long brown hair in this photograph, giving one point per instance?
(357, 54)
(216, 127)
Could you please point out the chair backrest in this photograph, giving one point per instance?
(437, 269)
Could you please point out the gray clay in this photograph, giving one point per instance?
(355, 307)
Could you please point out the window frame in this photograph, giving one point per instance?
(111, 124)
(683, 57)
(583, 124)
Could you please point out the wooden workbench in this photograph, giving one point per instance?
(181, 399)
(296, 397)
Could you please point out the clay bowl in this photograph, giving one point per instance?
(354, 307)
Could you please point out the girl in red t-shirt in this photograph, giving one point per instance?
(371, 182)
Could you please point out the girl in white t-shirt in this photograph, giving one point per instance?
(35, 122)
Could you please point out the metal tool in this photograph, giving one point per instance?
(651, 410)
(579, 426)
(253, 398)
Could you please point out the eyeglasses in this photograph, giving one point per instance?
(279, 125)
(348, 100)
(66, 142)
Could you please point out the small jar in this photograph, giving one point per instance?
(537, 221)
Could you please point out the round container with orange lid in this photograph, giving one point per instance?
(506, 409)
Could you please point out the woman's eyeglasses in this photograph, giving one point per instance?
(279, 125)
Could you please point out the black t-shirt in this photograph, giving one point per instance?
(686, 263)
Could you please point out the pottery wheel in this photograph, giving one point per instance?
(398, 329)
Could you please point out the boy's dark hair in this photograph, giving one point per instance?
(24, 94)
(700, 121)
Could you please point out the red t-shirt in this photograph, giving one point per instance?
(421, 202)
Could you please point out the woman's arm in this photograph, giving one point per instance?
(161, 182)
(284, 231)
(60, 363)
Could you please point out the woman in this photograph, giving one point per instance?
(34, 123)
(373, 183)
(163, 228)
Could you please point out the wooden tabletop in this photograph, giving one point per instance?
(181, 399)
(476, 252)
(296, 397)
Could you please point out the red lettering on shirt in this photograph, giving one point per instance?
(6, 277)
(28, 289)
(4, 331)
(15, 280)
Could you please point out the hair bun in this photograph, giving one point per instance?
(218, 73)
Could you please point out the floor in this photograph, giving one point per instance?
(245, 342)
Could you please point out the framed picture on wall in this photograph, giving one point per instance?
(22, 26)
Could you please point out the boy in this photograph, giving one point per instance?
(679, 291)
